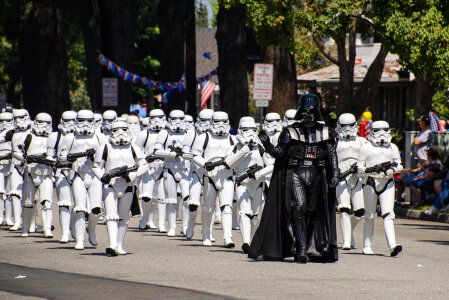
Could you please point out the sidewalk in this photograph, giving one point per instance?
(420, 215)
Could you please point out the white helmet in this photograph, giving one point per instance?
(248, 130)
(272, 123)
(289, 117)
(220, 123)
(247, 118)
(380, 134)
(109, 116)
(189, 122)
(347, 126)
(120, 133)
(157, 119)
(176, 121)
(134, 124)
(21, 119)
(68, 122)
(204, 119)
(85, 122)
(6, 121)
(145, 123)
(98, 120)
(42, 124)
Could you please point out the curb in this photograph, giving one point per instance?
(420, 215)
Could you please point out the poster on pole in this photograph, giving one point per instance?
(263, 82)
(110, 92)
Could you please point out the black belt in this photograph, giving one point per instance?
(300, 162)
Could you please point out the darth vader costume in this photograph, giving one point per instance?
(299, 214)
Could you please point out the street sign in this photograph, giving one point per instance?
(263, 82)
(261, 103)
(110, 92)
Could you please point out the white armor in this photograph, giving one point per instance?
(349, 191)
(68, 122)
(157, 120)
(208, 148)
(109, 116)
(145, 123)
(249, 191)
(21, 119)
(202, 125)
(118, 191)
(134, 126)
(85, 185)
(37, 176)
(379, 186)
(176, 168)
(190, 123)
(6, 124)
(98, 121)
(289, 117)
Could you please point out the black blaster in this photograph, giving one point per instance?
(117, 172)
(74, 156)
(249, 173)
(383, 167)
(39, 159)
(151, 158)
(7, 156)
(176, 149)
(352, 170)
(210, 165)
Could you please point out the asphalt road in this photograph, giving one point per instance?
(161, 267)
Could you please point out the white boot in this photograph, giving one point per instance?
(2, 208)
(161, 208)
(153, 208)
(26, 214)
(354, 221)
(92, 224)
(64, 221)
(72, 223)
(17, 210)
(33, 226)
(191, 227)
(46, 225)
(122, 226)
(212, 239)
(171, 216)
(145, 213)
(80, 228)
(185, 217)
(8, 212)
(254, 226)
(391, 237)
(245, 228)
(226, 223)
(206, 220)
(345, 225)
(112, 227)
(368, 232)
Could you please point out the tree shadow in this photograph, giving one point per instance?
(425, 226)
(442, 243)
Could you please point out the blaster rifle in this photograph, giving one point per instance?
(74, 156)
(117, 172)
(210, 165)
(7, 156)
(249, 173)
(383, 167)
(39, 159)
(177, 150)
(151, 158)
(352, 170)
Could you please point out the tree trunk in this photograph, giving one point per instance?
(118, 26)
(44, 67)
(284, 78)
(89, 20)
(171, 43)
(346, 70)
(426, 90)
(232, 75)
(190, 58)
(368, 92)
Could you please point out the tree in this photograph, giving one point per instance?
(201, 15)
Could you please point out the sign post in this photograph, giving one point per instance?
(110, 92)
(263, 86)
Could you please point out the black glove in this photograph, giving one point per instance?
(265, 139)
(208, 166)
(105, 179)
(127, 178)
(334, 182)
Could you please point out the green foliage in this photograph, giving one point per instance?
(214, 5)
(410, 114)
(201, 16)
(441, 105)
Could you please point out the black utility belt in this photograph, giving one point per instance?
(299, 162)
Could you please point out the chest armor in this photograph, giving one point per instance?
(309, 135)
(251, 158)
(5, 148)
(81, 143)
(378, 154)
(151, 142)
(119, 156)
(217, 146)
(347, 152)
(38, 145)
(174, 138)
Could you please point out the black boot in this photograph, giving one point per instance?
(299, 231)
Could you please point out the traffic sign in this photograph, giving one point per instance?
(261, 103)
(110, 92)
(263, 82)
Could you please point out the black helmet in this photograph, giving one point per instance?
(308, 111)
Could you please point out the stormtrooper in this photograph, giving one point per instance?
(349, 191)
(134, 126)
(169, 144)
(145, 123)
(109, 116)
(151, 188)
(98, 121)
(16, 136)
(38, 175)
(272, 125)
(62, 184)
(213, 152)
(79, 148)
(378, 160)
(250, 173)
(6, 124)
(117, 164)
(190, 123)
(202, 125)
(289, 117)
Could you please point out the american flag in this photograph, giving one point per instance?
(206, 92)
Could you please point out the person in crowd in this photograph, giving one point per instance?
(441, 186)
(425, 140)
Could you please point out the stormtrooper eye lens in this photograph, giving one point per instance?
(204, 120)
(175, 118)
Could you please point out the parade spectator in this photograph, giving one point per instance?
(365, 124)
(425, 181)
(441, 186)
(424, 140)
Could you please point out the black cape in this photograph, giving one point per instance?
(274, 238)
